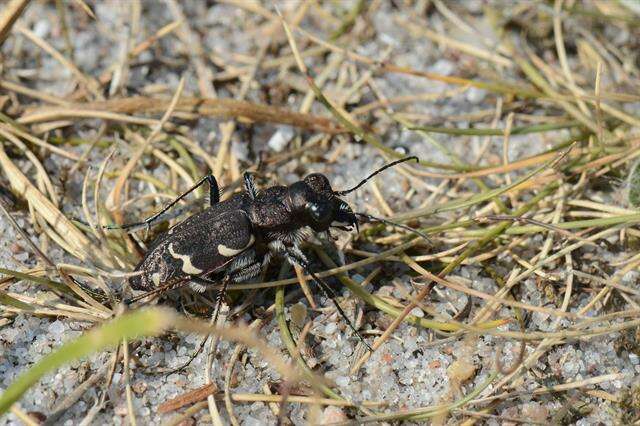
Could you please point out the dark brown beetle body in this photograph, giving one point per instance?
(232, 240)
(242, 233)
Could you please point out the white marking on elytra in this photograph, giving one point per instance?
(230, 252)
(187, 266)
(155, 277)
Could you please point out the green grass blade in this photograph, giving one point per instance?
(145, 322)
(55, 285)
(7, 300)
(525, 130)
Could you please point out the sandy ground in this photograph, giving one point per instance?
(413, 368)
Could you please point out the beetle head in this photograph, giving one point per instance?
(311, 202)
(316, 204)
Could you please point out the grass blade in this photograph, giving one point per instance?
(147, 322)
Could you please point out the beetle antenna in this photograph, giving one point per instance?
(129, 227)
(371, 218)
(214, 198)
(381, 169)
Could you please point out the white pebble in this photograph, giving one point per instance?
(475, 95)
(281, 138)
(330, 328)
(333, 414)
(41, 28)
(22, 257)
(10, 334)
(417, 312)
(342, 381)
(442, 66)
(630, 278)
(251, 421)
(57, 327)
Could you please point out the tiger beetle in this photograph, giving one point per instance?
(232, 240)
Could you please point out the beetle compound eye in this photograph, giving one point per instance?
(320, 212)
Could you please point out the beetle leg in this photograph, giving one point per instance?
(252, 270)
(214, 198)
(197, 286)
(214, 190)
(250, 185)
(243, 273)
(296, 257)
(214, 193)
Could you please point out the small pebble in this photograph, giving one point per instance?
(298, 314)
(330, 328)
(281, 138)
(116, 377)
(333, 414)
(630, 278)
(475, 95)
(57, 327)
(417, 312)
(342, 381)
(442, 66)
(357, 278)
(139, 387)
(251, 421)
(461, 371)
(42, 28)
